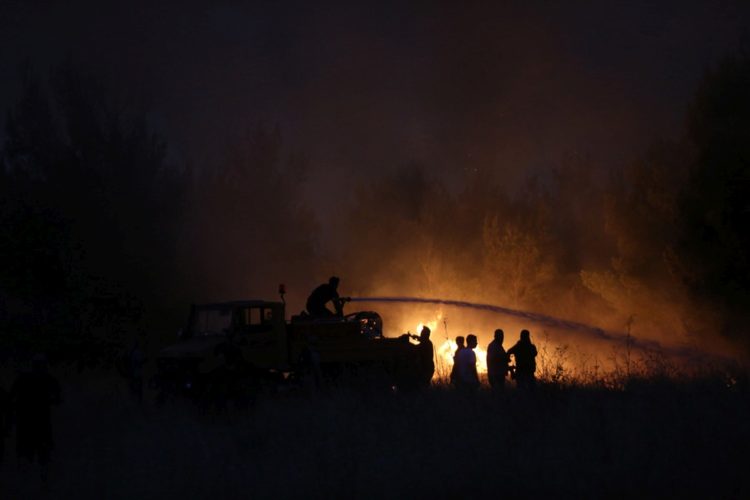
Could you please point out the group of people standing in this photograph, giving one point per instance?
(464, 373)
(498, 361)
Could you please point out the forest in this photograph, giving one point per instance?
(105, 236)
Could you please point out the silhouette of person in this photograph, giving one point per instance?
(459, 345)
(4, 420)
(136, 361)
(467, 378)
(327, 292)
(227, 378)
(233, 358)
(497, 361)
(426, 358)
(524, 353)
(32, 396)
(309, 361)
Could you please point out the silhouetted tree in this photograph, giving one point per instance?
(713, 248)
(86, 218)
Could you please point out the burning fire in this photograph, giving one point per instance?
(445, 352)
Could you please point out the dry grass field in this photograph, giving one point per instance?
(640, 437)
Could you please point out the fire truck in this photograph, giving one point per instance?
(271, 348)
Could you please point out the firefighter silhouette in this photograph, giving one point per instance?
(322, 295)
(467, 378)
(426, 357)
(497, 361)
(459, 346)
(524, 353)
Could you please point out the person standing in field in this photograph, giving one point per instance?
(4, 420)
(426, 357)
(467, 378)
(497, 362)
(32, 396)
(459, 346)
(524, 353)
(136, 362)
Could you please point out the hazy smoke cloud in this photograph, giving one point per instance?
(506, 154)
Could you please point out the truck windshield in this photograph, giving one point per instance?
(256, 319)
(211, 322)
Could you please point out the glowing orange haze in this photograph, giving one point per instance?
(563, 352)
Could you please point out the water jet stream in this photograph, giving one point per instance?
(544, 319)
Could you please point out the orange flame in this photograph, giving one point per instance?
(445, 352)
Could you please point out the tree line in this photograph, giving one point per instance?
(103, 236)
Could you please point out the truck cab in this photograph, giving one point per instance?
(257, 327)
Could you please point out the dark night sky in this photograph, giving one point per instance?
(506, 87)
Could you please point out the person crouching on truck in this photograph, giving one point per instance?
(322, 295)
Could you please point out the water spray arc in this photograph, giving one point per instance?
(537, 318)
